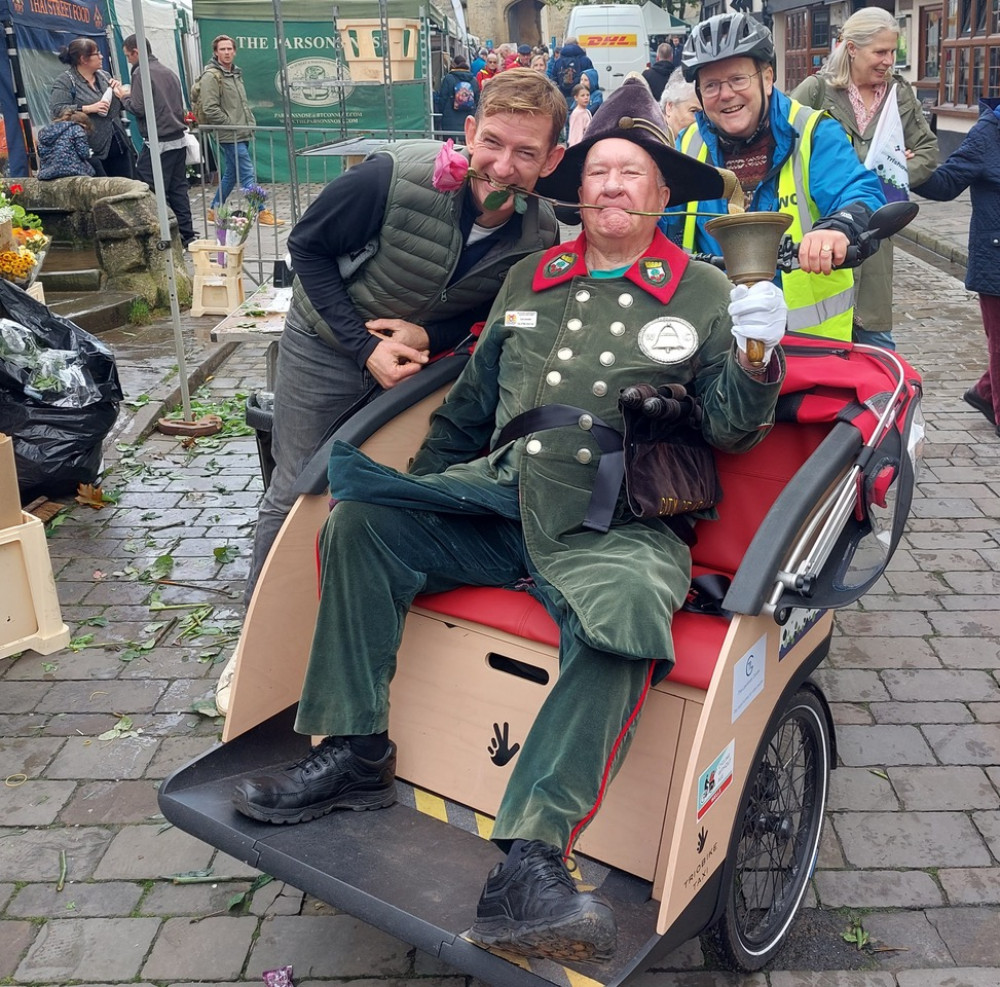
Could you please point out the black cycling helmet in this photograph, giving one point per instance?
(726, 36)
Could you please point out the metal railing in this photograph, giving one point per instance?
(319, 156)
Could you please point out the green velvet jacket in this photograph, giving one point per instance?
(557, 335)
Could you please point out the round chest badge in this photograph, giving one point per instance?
(668, 340)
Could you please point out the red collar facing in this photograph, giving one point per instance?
(658, 271)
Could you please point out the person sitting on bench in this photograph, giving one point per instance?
(571, 326)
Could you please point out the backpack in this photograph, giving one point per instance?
(567, 75)
(196, 108)
(464, 98)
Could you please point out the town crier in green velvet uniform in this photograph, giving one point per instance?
(571, 326)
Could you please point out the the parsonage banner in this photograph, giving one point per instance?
(335, 73)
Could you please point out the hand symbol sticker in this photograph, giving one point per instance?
(499, 750)
(702, 838)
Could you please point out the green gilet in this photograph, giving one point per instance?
(819, 304)
(418, 247)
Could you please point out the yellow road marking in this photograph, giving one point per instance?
(484, 824)
(579, 980)
(431, 805)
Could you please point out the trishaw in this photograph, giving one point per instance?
(713, 823)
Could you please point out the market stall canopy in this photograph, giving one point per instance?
(659, 21)
(39, 31)
(317, 10)
(165, 23)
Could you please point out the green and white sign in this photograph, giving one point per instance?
(335, 74)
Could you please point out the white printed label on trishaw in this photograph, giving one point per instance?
(748, 677)
(715, 779)
(520, 320)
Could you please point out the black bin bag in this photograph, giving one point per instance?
(59, 395)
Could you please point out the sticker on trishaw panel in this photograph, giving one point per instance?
(748, 677)
(715, 779)
(521, 320)
(796, 628)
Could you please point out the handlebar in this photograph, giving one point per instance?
(788, 255)
(884, 222)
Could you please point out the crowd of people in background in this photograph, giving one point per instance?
(573, 72)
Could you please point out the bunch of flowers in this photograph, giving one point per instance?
(14, 213)
(17, 265)
(7, 193)
(23, 245)
(239, 221)
(255, 198)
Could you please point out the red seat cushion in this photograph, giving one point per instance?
(750, 481)
(697, 637)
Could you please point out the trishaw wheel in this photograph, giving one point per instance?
(776, 839)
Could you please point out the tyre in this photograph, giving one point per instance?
(776, 840)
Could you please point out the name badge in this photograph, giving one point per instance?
(521, 320)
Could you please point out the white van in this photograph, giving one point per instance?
(614, 37)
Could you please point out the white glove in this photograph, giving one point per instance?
(759, 312)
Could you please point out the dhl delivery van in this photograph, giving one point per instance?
(614, 36)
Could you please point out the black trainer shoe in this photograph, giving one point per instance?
(533, 907)
(973, 397)
(331, 777)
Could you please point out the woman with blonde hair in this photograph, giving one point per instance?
(853, 88)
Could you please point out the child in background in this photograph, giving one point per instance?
(579, 119)
(63, 148)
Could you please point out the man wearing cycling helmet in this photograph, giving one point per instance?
(787, 157)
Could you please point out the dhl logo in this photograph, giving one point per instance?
(609, 40)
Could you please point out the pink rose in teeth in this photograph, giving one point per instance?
(450, 168)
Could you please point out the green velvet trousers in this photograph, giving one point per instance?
(374, 561)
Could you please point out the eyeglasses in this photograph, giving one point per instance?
(738, 84)
(94, 54)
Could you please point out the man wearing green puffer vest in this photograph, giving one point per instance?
(390, 271)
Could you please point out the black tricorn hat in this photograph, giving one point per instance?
(631, 113)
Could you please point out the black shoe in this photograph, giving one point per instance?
(532, 907)
(972, 396)
(331, 777)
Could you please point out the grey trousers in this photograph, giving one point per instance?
(314, 386)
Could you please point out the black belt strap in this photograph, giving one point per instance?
(610, 470)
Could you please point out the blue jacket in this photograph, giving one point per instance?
(844, 191)
(596, 92)
(572, 56)
(63, 150)
(976, 165)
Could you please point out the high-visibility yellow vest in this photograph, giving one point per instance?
(820, 304)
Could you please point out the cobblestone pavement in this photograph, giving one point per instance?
(150, 588)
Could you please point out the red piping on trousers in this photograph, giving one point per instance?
(319, 568)
(605, 778)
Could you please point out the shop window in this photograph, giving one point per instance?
(807, 43)
(948, 75)
(930, 43)
(820, 27)
(970, 51)
(952, 25)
